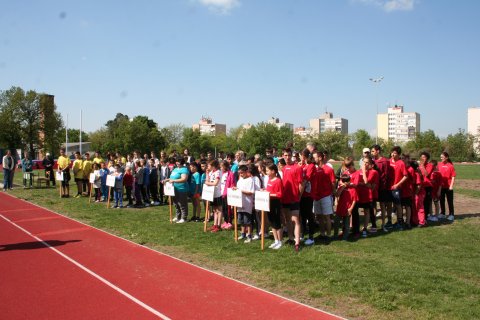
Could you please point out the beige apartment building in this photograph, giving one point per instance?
(397, 125)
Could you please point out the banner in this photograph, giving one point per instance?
(110, 181)
(262, 201)
(207, 193)
(92, 178)
(59, 176)
(234, 197)
(168, 189)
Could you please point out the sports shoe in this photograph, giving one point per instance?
(248, 240)
(278, 245)
(309, 242)
(450, 217)
(175, 219)
(229, 226)
(272, 245)
(215, 229)
(78, 195)
(146, 204)
(384, 228)
(181, 221)
(255, 237)
(364, 233)
(97, 200)
(241, 237)
(297, 248)
(388, 225)
(224, 225)
(422, 225)
(119, 207)
(432, 218)
(379, 214)
(372, 230)
(114, 207)
(441, 216)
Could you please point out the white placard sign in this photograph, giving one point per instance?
(207, 192)
(234, 198)
(262, 201)
(92, 178)
(168, 189)
(59, 175)
(110, 181)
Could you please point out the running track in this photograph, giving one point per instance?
(52, 267)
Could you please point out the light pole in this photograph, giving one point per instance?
(376, 81)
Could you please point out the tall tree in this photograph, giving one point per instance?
(51, 124)
(10, 104)
(361, 139)
(460, 146)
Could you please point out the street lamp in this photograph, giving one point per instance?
(376, 81)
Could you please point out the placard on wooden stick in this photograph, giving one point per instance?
(262, 201)
(168, 189)
(207, 192)
(234, 197)
(111, 181)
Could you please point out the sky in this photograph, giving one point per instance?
(245, 61)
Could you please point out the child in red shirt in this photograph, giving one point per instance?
(436, 181)
(346, 200)
(128, 183)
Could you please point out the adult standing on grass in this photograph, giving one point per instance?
(87, 169)
(8, 163)
(399, 177)
(426, 170)
(48, 165)
(384, 193)
(447, 170)
(179, 178)
(63, 164)
(27, 168)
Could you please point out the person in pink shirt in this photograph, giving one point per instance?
(426, 169)
(436, 190)
(418, 211)
(447, 170)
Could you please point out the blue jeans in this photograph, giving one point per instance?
(104, 191)
(6, 179)
(118, 197)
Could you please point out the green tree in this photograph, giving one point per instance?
(424, 141)
(335, 143)
(360, 139)
(460, 146)
(74, 135)
(264, 135)
(10, 104)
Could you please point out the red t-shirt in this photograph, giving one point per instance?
(345, 201)
(128, 180)
(408, 186)
(427, 174)
(275, 187)
(448, 172)
(292, 178)
(436, 182)
(385, 172)
(321, 185)
(399, 171)
(309, 171)
(365, 194)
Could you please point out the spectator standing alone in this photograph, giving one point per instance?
(27, 168)
(8, 163)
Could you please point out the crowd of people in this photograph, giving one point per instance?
(306, 194)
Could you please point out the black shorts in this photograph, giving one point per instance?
(217, 202)
(366, 205)
(406, 202)
(294, 206)
(385, 196)
(274, 214)
(244, 218)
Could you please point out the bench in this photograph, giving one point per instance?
(41, 180)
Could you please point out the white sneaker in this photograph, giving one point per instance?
(181, 221)
(175, 219)
(379, 214)
(450, 217)
(432, 218)
(248, 240)
(156, 203)
(278, 245)
(272, 245)
(241, 237)
(309, 242)
(255, 237)
(146, 204)
(441, 216)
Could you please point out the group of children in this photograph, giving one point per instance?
(305, 192)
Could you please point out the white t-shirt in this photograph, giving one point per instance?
(247, 200)
(212, 176)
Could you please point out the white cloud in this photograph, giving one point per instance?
(391, 5)
(220, 6)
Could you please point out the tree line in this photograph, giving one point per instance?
(21, 125)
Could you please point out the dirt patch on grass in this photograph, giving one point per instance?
(465, 205)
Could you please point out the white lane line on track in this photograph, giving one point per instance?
(105, 281)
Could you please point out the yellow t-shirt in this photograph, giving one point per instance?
(98, 160)
(63, 162)
(87, 168)
(78, 169)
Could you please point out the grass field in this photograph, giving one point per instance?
(429, 273)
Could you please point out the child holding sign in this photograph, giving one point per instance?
(246, 185)
(97, 184)
(214, 176)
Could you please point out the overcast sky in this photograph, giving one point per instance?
(241, 61)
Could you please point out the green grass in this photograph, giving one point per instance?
(468, 192)
(429, 273)
(468, 171)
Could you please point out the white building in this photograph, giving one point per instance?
(279, 124)
(473, 125)
(303, 132)
(326, 122)
(398, 126)
(207, 126)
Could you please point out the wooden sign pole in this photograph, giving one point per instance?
(235, 223)
(206, 216)
(263, 230)
(170, 207)
(90, 197)
(108, 201)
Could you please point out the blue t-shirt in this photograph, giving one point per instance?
(177, 174)
(194, 181)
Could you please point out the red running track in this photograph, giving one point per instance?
(53, 267)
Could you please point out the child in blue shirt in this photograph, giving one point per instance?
(118, 189)
(104, 172)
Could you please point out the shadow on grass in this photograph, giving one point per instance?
(34, 245)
